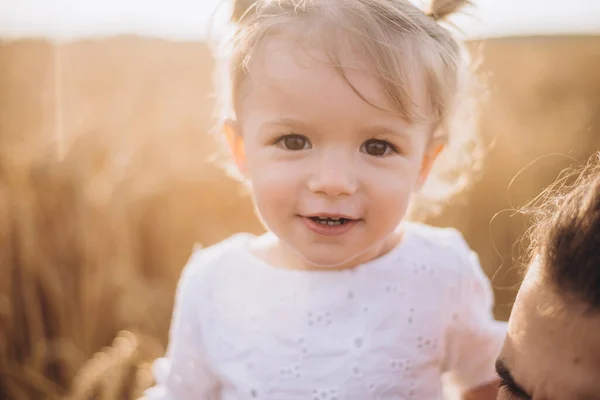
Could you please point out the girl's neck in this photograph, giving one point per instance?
(278, 254)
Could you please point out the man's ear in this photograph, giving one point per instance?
(429, 158)
(235, 141)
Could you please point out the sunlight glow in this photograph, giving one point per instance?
(188, 19)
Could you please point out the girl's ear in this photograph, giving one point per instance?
(428, 160)
(235, 141)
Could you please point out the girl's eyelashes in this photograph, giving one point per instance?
(293, 142)
(372, 147)
(379, 148)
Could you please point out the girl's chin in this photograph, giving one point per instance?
(325, 261)
(303, 253)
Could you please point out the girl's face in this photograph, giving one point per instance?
(332, 175)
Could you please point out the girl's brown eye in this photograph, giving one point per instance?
(294, 142)
(377, 147)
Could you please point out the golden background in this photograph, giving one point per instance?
(107, 181)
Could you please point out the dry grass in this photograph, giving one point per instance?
(95, 233)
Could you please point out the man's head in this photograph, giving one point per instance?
(552, 350)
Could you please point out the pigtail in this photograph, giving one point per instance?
(441, 9)
(242, 9)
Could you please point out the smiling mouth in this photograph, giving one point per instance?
(330, 221)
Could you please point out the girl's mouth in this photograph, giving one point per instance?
(329, 225)
(330, 221)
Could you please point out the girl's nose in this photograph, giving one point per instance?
(333, 180)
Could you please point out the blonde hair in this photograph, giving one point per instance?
(395, 38)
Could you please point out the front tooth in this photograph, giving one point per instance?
(330, 221)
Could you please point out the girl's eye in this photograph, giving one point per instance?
(378, 148)
(294, 142)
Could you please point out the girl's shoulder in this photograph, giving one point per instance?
(205, 260)
(227, 246)
(444, 248)
(440, 240)
(445, 255)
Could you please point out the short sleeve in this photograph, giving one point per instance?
(474, 337)
(183, 373)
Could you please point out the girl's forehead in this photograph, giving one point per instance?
(287, 75)
(309, 53)
(289, 64)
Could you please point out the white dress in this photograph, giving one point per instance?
(388, 329)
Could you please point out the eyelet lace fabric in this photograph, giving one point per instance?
(388, 329)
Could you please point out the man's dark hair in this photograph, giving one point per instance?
(567, 235)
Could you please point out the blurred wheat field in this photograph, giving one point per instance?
(106, 184)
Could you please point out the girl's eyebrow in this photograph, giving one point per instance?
(285, 122)
(508, 382)
(375, 129)
(381, 129)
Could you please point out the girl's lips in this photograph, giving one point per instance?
(326, 215)
(329, 230)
